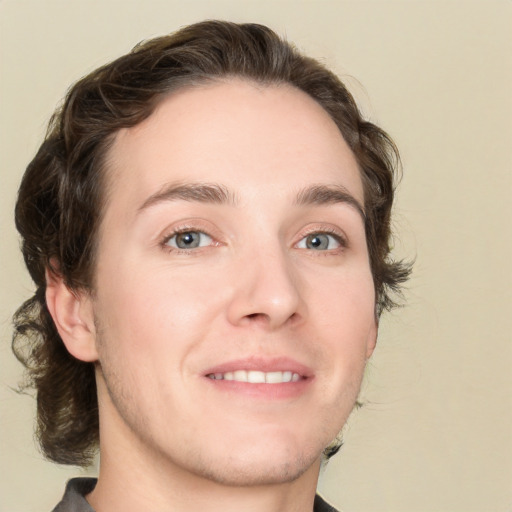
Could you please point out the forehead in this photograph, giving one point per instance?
(246, 136)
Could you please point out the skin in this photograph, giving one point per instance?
(256, 289)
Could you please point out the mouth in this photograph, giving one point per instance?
(257, 377)
(276, 378)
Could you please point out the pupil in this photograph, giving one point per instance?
(317, 242)
(187, 240)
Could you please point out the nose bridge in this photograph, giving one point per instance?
(268, 288)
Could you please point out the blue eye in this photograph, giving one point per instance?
(189, 240)
(320, 242)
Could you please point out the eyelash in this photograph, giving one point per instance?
(182, 230)
(339, 237)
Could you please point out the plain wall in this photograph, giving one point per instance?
(436, 432)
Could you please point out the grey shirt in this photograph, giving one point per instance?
(76, 489)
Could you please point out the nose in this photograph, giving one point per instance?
(266, 293)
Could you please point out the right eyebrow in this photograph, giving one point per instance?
(197, 192)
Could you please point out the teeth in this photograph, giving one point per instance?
(240, 376)
(255, 377)
(274, 377)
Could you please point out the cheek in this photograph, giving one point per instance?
(150, 323)
(346, 302)
(345, 312)
(150, 307)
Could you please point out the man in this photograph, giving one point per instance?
(207, 225)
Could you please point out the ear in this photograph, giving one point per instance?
(371, 340)
(73, 315)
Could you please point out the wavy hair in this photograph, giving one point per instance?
(62, 194)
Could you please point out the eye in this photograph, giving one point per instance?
(189, 240)
(320, 242)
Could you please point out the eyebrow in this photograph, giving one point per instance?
(328, 194)
(215, 193)
(194, 192)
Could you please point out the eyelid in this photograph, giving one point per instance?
(197, 225)
(202, 234)
(337, 233)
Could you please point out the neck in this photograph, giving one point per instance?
(130, 484)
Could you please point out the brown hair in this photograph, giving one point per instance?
(62, 193)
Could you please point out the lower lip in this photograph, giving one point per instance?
(282, 391)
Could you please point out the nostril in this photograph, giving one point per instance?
(256, 316)
(263, 318)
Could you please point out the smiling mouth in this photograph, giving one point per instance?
(257, 377)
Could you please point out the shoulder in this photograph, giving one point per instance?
(322, 506)
(74, 496)
(77, 488)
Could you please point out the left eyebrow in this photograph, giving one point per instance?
(328, 194)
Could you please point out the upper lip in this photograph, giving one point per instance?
(274, 364)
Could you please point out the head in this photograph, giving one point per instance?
(69, 186)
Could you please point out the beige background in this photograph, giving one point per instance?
(436, 434)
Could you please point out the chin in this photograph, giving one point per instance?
(249, 473)
(254, 464)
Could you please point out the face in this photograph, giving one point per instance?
(234, 301)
